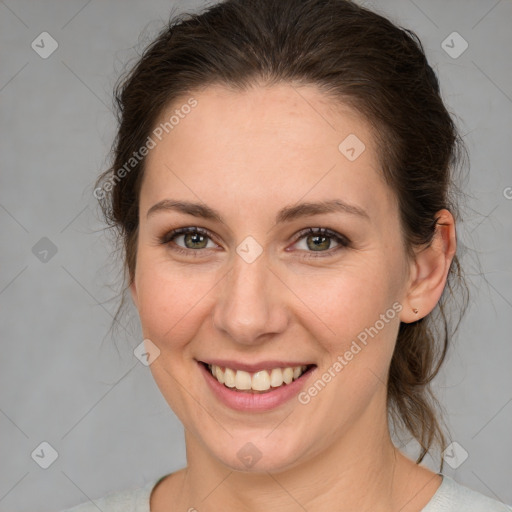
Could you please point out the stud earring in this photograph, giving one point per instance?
(415, 311)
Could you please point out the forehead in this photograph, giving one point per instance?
(277, 143)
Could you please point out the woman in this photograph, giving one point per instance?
(282, 187)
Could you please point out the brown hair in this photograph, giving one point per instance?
(356, 57)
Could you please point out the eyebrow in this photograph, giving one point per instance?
(286, 214)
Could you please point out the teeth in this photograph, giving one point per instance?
(288, 375)
(242, 380)
(276, 377)
(261, 381)
(229, 377)
(219, 375)
(258, 381)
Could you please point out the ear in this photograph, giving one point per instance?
(429, 270)
(133, 292)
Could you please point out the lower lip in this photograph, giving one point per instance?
(242, 401)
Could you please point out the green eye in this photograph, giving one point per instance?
(317, 240)
(194, 239)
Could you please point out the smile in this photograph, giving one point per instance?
(258, 382)
(255, 387)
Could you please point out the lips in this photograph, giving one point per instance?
(255, 400)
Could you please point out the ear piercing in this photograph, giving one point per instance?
(415, 311)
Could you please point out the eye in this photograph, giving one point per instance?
(316, 240)
(192, 238)
(320, 240)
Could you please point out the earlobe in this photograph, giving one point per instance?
(430, 270)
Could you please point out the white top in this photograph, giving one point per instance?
(449, 497)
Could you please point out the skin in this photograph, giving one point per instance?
(247, 155)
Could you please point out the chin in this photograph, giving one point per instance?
(260, 456)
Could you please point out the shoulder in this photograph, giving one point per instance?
(127, 500)
(454, 497)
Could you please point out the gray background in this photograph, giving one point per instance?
(64, 382)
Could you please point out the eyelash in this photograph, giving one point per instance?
(343, 241)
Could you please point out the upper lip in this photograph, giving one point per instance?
(253, 367)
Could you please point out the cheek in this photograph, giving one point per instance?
(171, 301)
(170, 297)
(355, 324)
(347, 301)
(174, 302)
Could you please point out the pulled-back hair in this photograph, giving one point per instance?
(356, 57)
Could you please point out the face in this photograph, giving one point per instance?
(268, 280)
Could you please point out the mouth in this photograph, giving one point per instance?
(262, 381)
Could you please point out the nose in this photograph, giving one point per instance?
(251, 304)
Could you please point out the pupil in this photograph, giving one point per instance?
(318, 241)
(195, 238)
